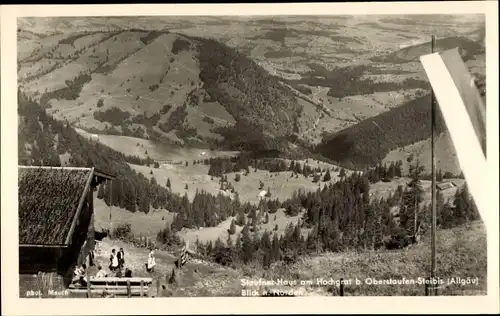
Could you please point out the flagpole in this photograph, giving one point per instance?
(433, 188)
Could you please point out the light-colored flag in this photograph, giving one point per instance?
(464, 113)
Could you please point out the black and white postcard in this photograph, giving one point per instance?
(335, 154)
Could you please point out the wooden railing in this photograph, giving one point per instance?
(114, 286)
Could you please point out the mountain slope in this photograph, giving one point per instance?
(469, 48)
(369, 141)
(157, 84)
(48, 142)
(394, 134)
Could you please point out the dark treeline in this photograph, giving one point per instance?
(180, 45)
(368, 142)
(257, 101)
(220, 166)
(347, 81)
(468, 49)
(114, 115)
(70, 92)
(339, 216)
(151, 36)
(42, 140)
(247, 136)
(385, 172)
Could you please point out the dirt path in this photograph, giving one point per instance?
(196, 278)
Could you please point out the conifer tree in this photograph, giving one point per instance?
(253, 216)
(232, 228)
(266, 247)
(411, 198)
(246, 245)
(276, 248)
(238, 243)
(241, 218)
(327, 176)
(268, 193)
(342, 173)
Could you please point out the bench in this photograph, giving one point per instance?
(135, 286)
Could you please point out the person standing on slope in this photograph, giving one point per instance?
(121, 258)
(113, 261)
(151, 262)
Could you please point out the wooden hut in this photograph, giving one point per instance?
(56, 223)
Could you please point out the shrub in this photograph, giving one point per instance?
(398, 240)
(316, 178)
(292, 210)
(224, 256)
(123, 232)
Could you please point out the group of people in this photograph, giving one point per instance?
(116, 264)
(116, 260)
(80, 275)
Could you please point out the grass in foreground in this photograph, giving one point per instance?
(461, 253)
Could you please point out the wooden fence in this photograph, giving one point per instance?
(114, 286)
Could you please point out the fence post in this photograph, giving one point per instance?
(341, 287)
(88, 288)
(39, 281)
(158, 288)
(141, 289)
(129, 290)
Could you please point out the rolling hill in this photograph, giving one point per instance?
(138, 77)
(368, 142)
(154, 99)
(405, 130)
(468, 50)
(159, 85)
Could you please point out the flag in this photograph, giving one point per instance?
(181, 261)
(464, 113)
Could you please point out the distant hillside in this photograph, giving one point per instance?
(348, 81)
(468, 49)
(48, 142)
(369, 141)
(394, 133)
(158, 85)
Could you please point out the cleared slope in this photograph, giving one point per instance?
(158, 85)
(461, 253)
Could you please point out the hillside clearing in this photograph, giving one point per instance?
(196, 278)
(461, 253)
(207, 234)
(156, 150)
(141, 224)
(446, 157)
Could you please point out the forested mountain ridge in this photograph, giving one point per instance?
(48, 142)
(160, 85)
(369, 141)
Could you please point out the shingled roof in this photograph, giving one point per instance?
(49, 201)
(445, 186)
